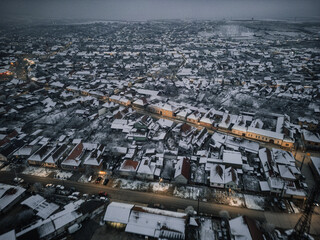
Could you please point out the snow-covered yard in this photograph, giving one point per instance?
(189, 192)
(62, 174)
(254, 202)
(231, 199)
(140, 185)
(45, 172)
(37, 171)
(160, 187)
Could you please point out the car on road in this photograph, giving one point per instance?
(103, 194)
(50, 185)
(98, 180)
(105, 182)
(18, 180)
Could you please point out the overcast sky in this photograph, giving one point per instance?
(160, 9)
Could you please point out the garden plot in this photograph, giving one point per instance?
(254, 202)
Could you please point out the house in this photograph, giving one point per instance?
(146, 169)
(156, 223)
(40, 155)
(57, 224)
(245, 228)
(232, 158)
(145, 221)
(9, 196)
(128, 168)
(310, 124)
(182, 171)
(311, 140)
(231, 179)
(217, 175)
(315, 167)
(117, 214)
(55, 158)
(7, 152)
(73, 161)
(94, 159)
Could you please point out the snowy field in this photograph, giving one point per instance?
(254, 202)
(141, 186)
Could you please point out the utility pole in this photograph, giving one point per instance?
(198, 195)
(308, 154)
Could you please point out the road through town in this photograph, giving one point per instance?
(280, 220)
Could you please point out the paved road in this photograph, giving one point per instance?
(281, 220)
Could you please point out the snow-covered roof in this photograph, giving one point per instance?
(118, 212)
(266, 133)
(264, 186)
(285, 172)
(6, 198)
(239, 229)
(11, 235)
(316, 163)
(310, 136)
(232, 157)
(156, 223)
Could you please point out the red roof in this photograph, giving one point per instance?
(185, 127)
(130, 164)
(185, 171)
(76, 152)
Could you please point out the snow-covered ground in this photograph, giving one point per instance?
(83, 179)
(231, 199)
(37, 171)
(141, 186)
(45, 172)
(254, 202)
(188, 192)
(159, 187)
(62, 174)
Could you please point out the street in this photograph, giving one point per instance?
(280, 220)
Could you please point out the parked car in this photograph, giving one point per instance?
(98, 180)
(76, 194)
(105, 182)
(103, 194)
(283, 205)
(90, 178)
(18, 180)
